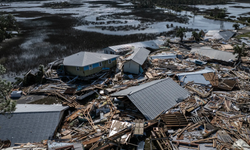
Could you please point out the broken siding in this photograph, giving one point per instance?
(131, 67)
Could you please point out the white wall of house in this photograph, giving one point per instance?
(131, 67)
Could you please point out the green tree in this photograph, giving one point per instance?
(196, 36)
(6, 104)
(7, 23)
(201, 33)
(240, 51)
(180, 33)
(236, 26)
(2, 35)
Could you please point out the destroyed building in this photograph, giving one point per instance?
(31, 123)
(87, 63)
(154, 97)
(181, 100)
(217, 55)
(125, 48)
(135, 61)
(219, 35)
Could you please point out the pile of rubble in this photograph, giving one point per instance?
(182, 100)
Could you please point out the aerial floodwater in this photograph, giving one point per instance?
(51, 31)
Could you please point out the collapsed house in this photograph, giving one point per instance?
(196, 77)
(155, 97)
(151, 109)
(245, 40)
(219, 35)
(125, 48)
(31, 123)
(215, 54)
(164, 56)
(135, 61)
(86, 63)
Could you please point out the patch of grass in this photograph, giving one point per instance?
(226, 19)
(243, 35)
(48, 100)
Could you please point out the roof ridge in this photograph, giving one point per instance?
(161, 80)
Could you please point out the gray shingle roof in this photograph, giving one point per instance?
(154, 97)
(214, 54)
(32, 126)
(139, 55)
(82, 59)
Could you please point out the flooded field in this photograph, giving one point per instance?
(50, 33)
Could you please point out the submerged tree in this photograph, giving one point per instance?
(180, 33)
(6, 104)
(240, 51)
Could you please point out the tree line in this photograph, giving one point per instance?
(168, 3)
(8, 23)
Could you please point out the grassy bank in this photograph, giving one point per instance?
(229, 20)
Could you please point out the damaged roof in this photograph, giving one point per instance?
(144, 44)
(31, 123)
(217, 34)
(86, 58)
(197, 76)
(139, 55)
(154, 97)
(214, 54)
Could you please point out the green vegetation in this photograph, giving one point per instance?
(236, 26)
(218, 12)
(176, 4)
(244, 19)
(240, 51)
(7, 23)
(57, 4)
(180, 33)
(243, 35)
(197, 36)
(6, 104)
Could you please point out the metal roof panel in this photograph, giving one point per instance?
(154, 97)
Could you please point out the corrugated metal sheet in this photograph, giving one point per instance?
(139, 55)
(226, 35)
(29, 127)
(214, 54)
(82, 59)
(154, 97)
(197, 76)
(164, 56)
(145, 44)
(31, 123)
(22, 108)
